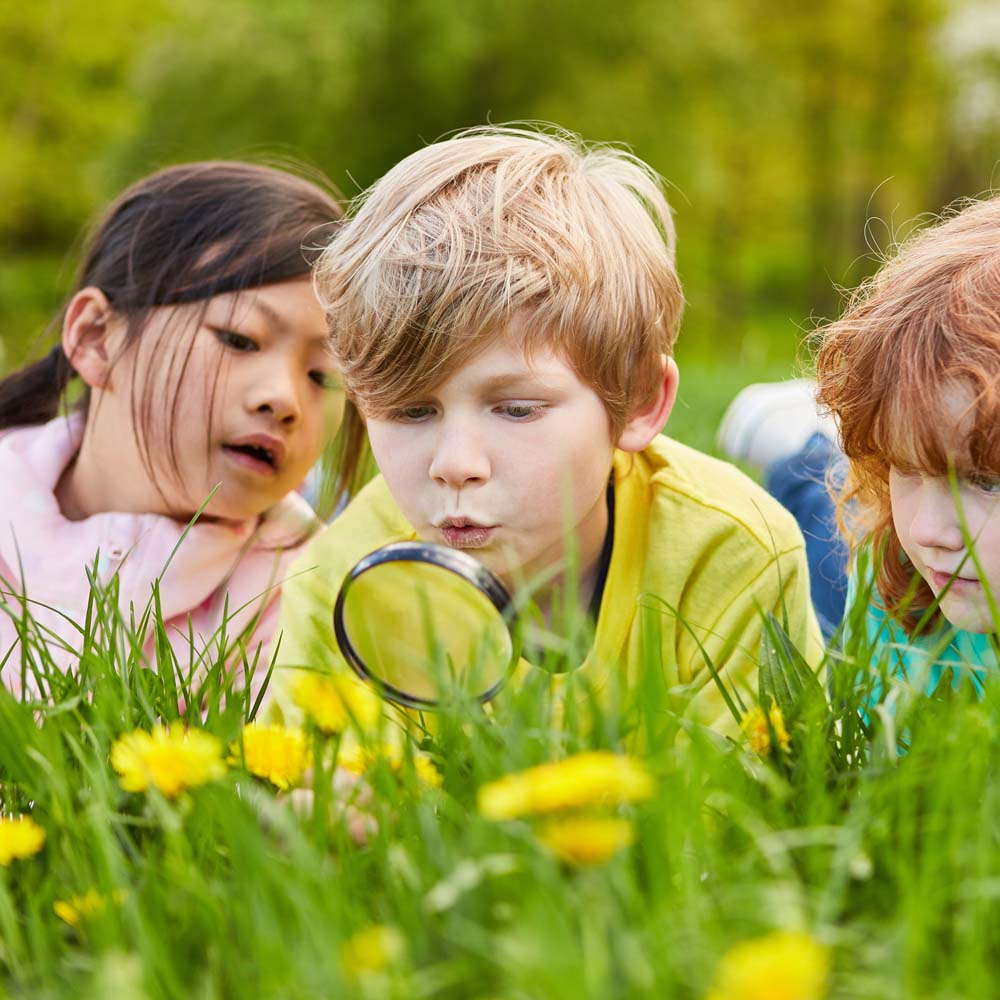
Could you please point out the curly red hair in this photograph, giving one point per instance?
(927, 321)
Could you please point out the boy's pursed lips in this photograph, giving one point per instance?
(464, 533)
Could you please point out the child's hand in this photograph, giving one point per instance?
(351, 802)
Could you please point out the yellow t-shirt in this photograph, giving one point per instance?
(691, 533)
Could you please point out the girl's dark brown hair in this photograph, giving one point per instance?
(182, 235)
(929, 321)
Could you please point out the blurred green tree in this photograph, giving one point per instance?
(793, 136)
(64, 100)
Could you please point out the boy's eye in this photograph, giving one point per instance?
(520, 411)
(236, 341)
(325, 380)
(413, 414)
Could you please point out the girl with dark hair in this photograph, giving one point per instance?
(207, 385)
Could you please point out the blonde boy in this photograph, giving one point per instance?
(503, 306)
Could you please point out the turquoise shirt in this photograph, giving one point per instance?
(927, 655)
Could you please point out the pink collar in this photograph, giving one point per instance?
(47, 553)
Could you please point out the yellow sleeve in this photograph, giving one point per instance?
(304, 637)
(305, 626)
(732, 642)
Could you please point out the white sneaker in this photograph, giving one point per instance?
(768, 421)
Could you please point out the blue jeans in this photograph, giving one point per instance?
(798, 482)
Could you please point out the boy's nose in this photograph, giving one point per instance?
(459, 459)
(935, 523)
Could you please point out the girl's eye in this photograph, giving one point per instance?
(520, 411)
(236, 341)
(325, 380)
(985, 483)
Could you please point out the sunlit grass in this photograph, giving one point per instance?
(869, 839)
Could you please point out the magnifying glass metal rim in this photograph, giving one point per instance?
(452, 560)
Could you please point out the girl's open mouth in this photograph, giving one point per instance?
(253, 457)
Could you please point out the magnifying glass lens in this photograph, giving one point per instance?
(423, 632)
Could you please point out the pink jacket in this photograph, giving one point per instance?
(44, 558)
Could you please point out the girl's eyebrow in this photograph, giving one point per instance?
(271, 315)
(279, 323)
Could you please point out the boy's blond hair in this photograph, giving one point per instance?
(458, 239)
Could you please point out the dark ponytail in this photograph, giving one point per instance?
(33, 394)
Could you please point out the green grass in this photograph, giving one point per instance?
(30, 290)
(888, 857)
(709, 383)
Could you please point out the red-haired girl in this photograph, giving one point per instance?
(911, 371)
(911, 374)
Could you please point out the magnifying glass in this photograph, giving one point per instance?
(425, 624)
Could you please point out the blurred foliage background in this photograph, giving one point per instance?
(798, 139)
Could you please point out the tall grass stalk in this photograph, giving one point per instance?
(876, 832)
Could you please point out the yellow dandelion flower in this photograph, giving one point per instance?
(74, 909)
(274, 753)
(755, 729)
(171, 760)
(372, 949)
(77, 908)
(597, 777)
(355, 759)
(20, 837)
(358, 760)
(335, 702)
(785, 965)
(586, 840)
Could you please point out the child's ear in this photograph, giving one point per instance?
(644, 424)
(90, 336)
